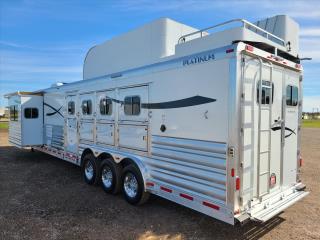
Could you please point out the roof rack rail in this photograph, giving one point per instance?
(245, 24)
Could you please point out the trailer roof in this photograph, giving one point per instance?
(22, 93)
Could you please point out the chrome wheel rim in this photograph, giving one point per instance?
(130, 185)
(88, 170)
(107, 177)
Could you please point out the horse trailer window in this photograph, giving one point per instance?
(105, 106)
(31, 113)
(267, 92)
(86, 107)
(14, 114)
(132, 105)
(292, 96)
(71, 108)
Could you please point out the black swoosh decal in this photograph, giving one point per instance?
(186, 102)
(286, 128)
(54, 109)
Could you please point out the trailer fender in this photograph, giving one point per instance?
(139, 163)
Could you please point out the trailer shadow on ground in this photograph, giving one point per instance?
(48, 198)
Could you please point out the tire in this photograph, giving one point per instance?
(133, 186)
(110, 176)
(90, 169)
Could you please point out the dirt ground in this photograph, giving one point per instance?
(42, 197)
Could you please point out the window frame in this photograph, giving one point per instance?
(87, 101)
(132, 104)
(291, 94)
(264, 86)
(73, 104)
(108, 106)
(13, 113)
(34, 113)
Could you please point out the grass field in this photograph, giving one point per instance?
(3, 125)
(311, 123)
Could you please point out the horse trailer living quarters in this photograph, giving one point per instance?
(207, 120)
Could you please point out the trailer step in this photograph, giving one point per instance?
(269, 211)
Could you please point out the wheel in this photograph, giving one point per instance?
(110, 176)
(90, 169)
(133, 186)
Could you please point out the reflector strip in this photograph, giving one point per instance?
(210, 205)
(186, 196)
(166, 189)
(150, 184)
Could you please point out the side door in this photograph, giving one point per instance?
(105, 119)
(133, 118)
(290, 126)
(87, 116)
(71, 143)
(32, 120)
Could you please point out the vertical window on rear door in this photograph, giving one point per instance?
(292, 96)
(266, 92)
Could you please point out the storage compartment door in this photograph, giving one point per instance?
(105, 133)
(86, 130)
(133, 137)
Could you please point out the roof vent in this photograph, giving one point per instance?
(58, 84)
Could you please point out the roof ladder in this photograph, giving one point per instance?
(264, 132)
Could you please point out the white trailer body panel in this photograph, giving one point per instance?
(54, 120)
(214, 129)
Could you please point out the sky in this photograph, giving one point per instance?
(44, 42)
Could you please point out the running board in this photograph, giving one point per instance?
(270, 210)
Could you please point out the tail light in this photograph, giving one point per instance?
(249, 48)
(237, 183)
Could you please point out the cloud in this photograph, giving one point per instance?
(310, 32)
(310, 47)
(294, 8)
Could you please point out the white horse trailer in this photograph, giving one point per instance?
(207, 120)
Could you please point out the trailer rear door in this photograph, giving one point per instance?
(270, 118)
